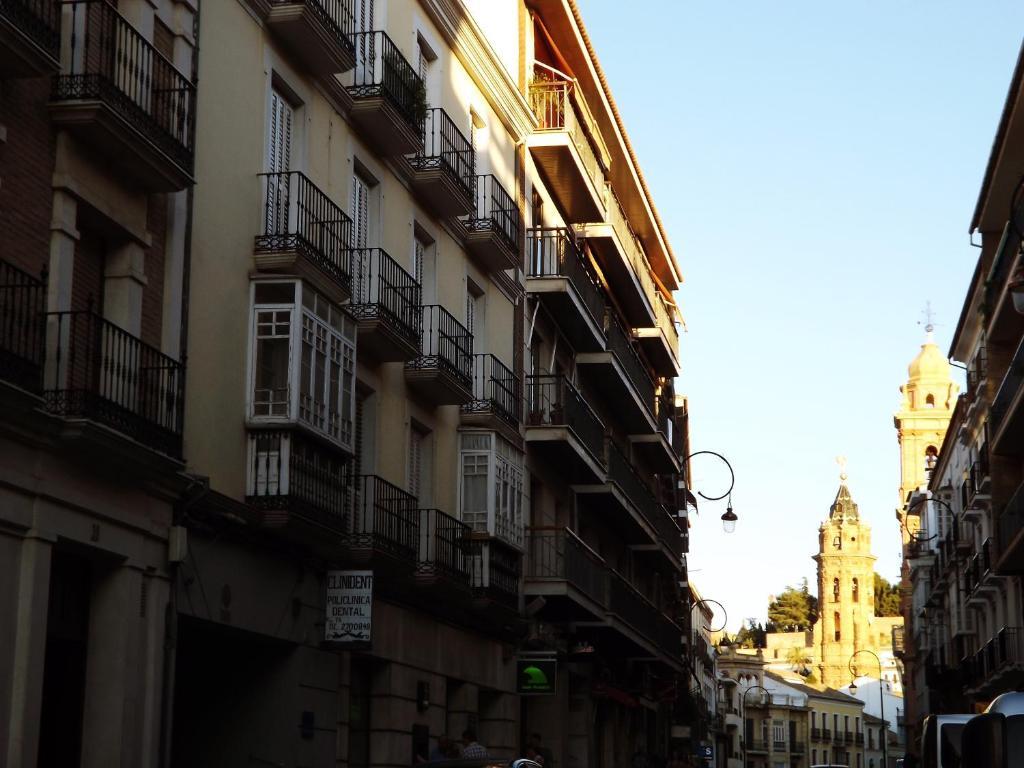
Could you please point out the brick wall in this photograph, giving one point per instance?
(153, 295)
(26, 171)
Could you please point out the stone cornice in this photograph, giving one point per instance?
(470, 45)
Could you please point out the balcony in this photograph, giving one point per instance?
(493, 227)
(633, 614)
(494, 577)
(318, 33)
(567, 149)
(661, 342)
(443, 371)
(569, 574)
(1006, 419)
(29, 38)
(386, 304)
(445, 550)
(388, 97)
(558, 276)
(625, 499)
(1010, 535)
(304, 233)
(22, 328)
(383, 524)
(619, 375)
(963, 624)
(444, 169)
(826, 734)
(1004, 324)
(121, 97)
(998, 666)
(563, 429)
(623, 262)
(816, 734)
(497, 398)
(299, 487)
(100, 373)
(977, 374)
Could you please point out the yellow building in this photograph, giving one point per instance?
(929, 397)
(846, 605)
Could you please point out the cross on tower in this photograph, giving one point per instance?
(929, 317)
(841, 461)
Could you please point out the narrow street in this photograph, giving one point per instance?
(511, 384)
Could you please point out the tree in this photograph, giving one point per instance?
(751, 635)
(793, 610)
(798, 659)
(887, 597)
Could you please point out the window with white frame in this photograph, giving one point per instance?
(303, 355)
(491, 485)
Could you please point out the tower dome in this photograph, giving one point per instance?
(930, 364)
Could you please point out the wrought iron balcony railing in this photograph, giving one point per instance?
(447, 148)
(622, 472)
(22, 327)
(110, 61)
(495, 210)
(382, 71)
(444, 548)
(37, 19)
(290, 471)
(634, 251)
(383, 518)
(976, 372)
(553, 253)
(335, 15)
(98, 371)
(1008, 389)
(383, 291)
(626, 602)
(557, 554)
(557, 108)
(496, 571)
(1010, 521)
(446, 345)
(1003, 260)
(495, 390)
(620, 343)
(298, 216)
(554, 401)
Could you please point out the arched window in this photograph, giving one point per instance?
(929, 401)
(856, 591)
(835, 591)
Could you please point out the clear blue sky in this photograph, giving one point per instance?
(816, 164)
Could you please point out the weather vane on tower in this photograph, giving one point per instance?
(841, 461)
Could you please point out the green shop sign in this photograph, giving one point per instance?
(536, 676)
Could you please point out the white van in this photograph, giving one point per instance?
(995, 738)
(942, 741)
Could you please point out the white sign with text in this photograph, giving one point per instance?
(349, 607)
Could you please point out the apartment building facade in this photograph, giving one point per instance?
(965, 560)
(97, 109)
(418, 308)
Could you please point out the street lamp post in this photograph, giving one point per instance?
(729, 517)
(743, 718)
(881, 701)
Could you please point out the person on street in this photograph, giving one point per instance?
(470, 746)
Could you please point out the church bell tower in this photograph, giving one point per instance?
(846, 600)
(929, 396)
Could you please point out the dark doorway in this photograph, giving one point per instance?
(67, 642)
(361, 680)
(231, 699)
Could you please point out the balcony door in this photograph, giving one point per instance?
(364, 43)
(278, 162)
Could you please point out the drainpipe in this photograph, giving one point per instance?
(189, 496)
